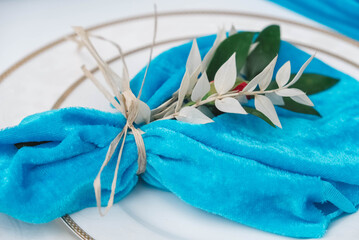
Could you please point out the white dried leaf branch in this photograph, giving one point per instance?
(221, 35)
(194, 58)
(193, 90)
(229, 105)
(267, 74)
(225, 77)
(201, 89)
(162, 110)
(182, 90)
(283, 75)
(301, 70)
(192, 115)
(229, 101)
(263, 78)
(303, 99)
(193, 80)
(276, 99)
(265, 106)
(193, 66)
(289, 92)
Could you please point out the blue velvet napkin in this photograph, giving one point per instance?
(292, 181)
(340, 15)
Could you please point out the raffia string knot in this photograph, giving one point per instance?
(131, 113)
(122, 98)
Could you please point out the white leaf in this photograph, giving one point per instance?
(303, 99)
(252, 47)
(275, 99)
(232, 31)
(193, 80)
(252, 84)
(182, 90)
(265, 106)
(268, 74)
(194, 58)
(229, 105)
(283, 75)
(193, 66)
(221, 35)
(144, 113)
(289, 92)
(263, 78)
(201, 89)
(301, 70)
(226, 75)
(192, 115)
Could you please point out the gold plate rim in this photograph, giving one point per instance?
(30, 56)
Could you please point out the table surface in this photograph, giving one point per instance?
(28, 25)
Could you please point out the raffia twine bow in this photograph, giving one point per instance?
(123, 99)
(131, 114)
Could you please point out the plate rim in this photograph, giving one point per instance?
(52, 44)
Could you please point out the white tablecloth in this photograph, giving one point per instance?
(27, 25)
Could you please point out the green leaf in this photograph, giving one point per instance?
(266, 50)
(258, 114)
(310, 83)
(238, 43)
(213, 109)
(299, 108)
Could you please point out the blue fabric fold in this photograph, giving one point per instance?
(292, 181)
(342, 16)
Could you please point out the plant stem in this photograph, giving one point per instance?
(164, 105)
(163, 112)
(216, 96)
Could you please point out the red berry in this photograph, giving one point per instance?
(240, 87)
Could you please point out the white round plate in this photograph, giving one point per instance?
(51, 77)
